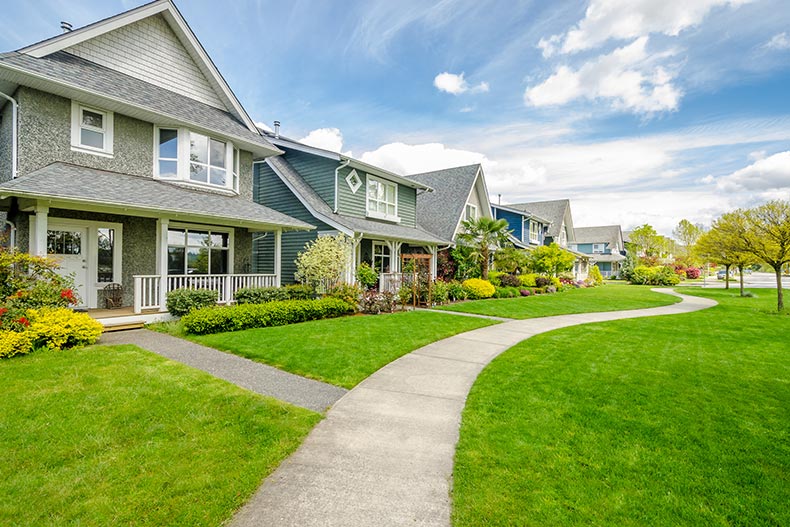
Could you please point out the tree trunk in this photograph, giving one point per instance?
(740, 270)
(726, 277)
(780, 297)
(484, 264)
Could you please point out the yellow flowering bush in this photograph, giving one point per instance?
(14, 343)
(58, 328)
(477, 288)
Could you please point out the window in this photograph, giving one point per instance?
(382, 258)
(470, 213)
(354, 181)
(64, 243)
(189, 156)
(534, 232)
(382, 199)
(598, 248)
(105, 255)
(91, 129)
(197, 252)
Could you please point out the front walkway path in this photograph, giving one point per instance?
(383, 456)
(254, 376)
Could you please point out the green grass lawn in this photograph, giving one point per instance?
(119, 436)
(610, 297)
(674, 420)
(341, 351)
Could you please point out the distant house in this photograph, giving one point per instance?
(376, 208)
(560, 229)
(528, 229)
(605, 246)
(133, 162)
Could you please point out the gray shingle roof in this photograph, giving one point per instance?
(607, 257)
(138, 195)
(441, 210)
(553, 211)
(83, 75)
(601, 234)
(358, 225)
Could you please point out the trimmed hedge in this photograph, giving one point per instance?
(219, 319)
(181, 301)
(261, 295)
(477, 289)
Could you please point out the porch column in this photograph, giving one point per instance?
(434, 261)
(38, 245)
(353, 260)
(278, 255)
(161, 260)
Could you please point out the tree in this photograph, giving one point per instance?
(764, 232)
(511, 260)
(323, 262)
(483, 235)
(647, 243)
(551, 259)
(722, 246)
(687, 234)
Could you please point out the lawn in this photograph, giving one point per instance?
(610, 297)
(341, 351)
(674, 420)
(119, 436)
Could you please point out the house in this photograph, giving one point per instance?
(560, 229)
(340, 194)
(605, 246)
(528, 229)
(125, 155)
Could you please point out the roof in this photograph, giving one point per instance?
(143, 196)
(168, 10)
(441, 210)
(525, 213)
(606, 257)
(348, 224)
(65, 74)
(555, 211)
(610, 234)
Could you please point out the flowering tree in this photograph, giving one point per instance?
(323, 262)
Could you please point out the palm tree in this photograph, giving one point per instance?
(484, 235)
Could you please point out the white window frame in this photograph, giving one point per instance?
(232, 163)
(534, 232)
(76, 127)
(598, 248)
(230, 231)
(470, 207)
(374, 213)
(378, 251)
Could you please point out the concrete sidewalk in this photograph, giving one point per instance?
(253, 376)
(383, 456)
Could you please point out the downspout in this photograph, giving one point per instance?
(14, 111)
(12, 236)
(337, 170)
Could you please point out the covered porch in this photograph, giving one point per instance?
(392, 259)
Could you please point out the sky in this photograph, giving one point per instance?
(638, 111)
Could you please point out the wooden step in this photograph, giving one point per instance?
(124, 327)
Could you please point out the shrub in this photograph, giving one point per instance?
(28, 281)
(15, 343)
(59, 328)
(495, 278)
(261, 295)
(643, 275)
(542, 281)
(528, 280)
(348, 293)
(373, 302)
(323, 261)
(367, 276)
(218, 319)
(509, 280)
(477, 288)
(456, 291)
(441, 292)
(300, 292)
(181, 301)
(594, 277)
(506, 292)
(525, 292)
(692, 273)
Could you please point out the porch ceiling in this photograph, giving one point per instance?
(62, 185)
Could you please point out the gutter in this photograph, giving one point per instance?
(14, 133)
(12, 237)
(337, 170)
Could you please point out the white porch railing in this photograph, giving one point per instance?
(148, 293)
(390, 282)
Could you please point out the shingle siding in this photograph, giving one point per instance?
(150, 51)
(6, 141)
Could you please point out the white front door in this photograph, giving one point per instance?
(69, 245)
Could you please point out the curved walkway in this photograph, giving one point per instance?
(383, 456)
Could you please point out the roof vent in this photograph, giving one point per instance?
(65, 26)
(277, 129)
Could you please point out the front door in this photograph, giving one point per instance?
(70, 247)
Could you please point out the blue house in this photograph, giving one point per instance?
(605, 246)
(529, 229)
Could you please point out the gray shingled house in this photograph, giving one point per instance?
(125, 155)
(605, 246)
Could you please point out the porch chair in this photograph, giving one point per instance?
(113, 296)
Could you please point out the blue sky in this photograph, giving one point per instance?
(637, 110)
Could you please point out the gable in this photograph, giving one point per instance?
(149, 50)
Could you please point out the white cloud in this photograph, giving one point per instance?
(456, 84)
(765, 175)
(467, 109)
(326, 138)
(779, 41)
(263, 126)
(628, 77)
(628, 19)
(413, 159)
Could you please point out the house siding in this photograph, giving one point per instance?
(149, 50)
(317, 171)
(541, 236)
(45, 137)
(514, 221)
(355, 204)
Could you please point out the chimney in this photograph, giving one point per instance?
(499, 199)
(277, 129)
(65, 26)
